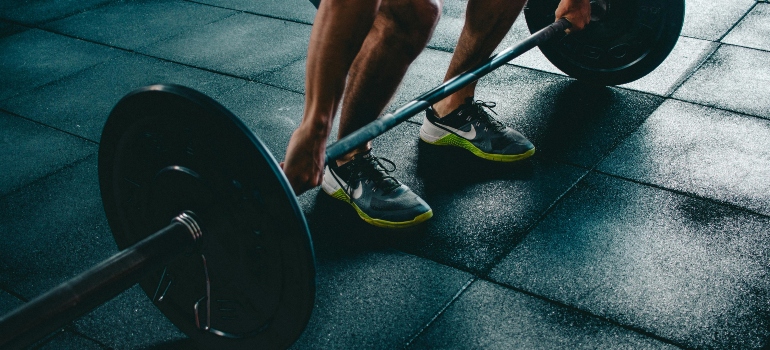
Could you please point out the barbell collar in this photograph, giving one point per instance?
(79, 295)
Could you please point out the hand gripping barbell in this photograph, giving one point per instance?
(207, 222)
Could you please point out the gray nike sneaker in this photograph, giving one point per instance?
(472, 128)
(377, 197)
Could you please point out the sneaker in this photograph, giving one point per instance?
(472, 128)
(377, 197)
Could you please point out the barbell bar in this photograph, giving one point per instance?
(237, 237)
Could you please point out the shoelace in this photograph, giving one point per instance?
(485, 117)
(373, 169)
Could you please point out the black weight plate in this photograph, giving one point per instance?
(630, 40)
(166, 149)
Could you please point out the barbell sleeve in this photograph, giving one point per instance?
(388, 121)
(79, 295)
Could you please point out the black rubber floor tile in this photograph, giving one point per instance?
(295, 10)
(489, 316)
(684, 269)
(81, 103)
(480, 208)
(67, 340)
(8, 29)
(566, 120)
(425, 73)
(701, 150)
(733, 78)
(290, 77)
(8, 302)
(244, 45)
(533, 58)
(133, 24)
(710, 20)
(377, 300)
(451, 24)
(131, 321)
(752, 30)
(29, 151)
(273, 114)
(35, 12)
(34, 57)
(53, 230)
(688, 55)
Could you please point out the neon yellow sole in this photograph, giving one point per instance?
(457, 141)
(341, 195)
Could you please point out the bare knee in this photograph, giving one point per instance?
(411, 21)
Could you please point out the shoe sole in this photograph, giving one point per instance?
(336, 192)
(451, 139)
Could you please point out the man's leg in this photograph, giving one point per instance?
(400, 32)
(336, 38)
(486, 24)
(460, 121)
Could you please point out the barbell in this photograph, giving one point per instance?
(209, 226)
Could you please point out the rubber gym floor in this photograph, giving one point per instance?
(643, 221)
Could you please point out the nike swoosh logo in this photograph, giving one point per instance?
(470, 135)
(358, 191)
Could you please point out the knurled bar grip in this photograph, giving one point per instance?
(79, 295)
(386, 122)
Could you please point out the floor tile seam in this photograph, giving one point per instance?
(172, 36)
(249, 12)
(721, 109)
(727, 32)
(47, 176)
(46, 339)
(13, 293)
(694, 68)
(153, 57)
(726, 44)
(435, 317)
(61, 17)
(14, 114)
(706, 59)
(524, 232)
(17, 23)
(570, 189)
(260, 78)
(696, 196)
(70, 327)
(745, 47)
(697, 38)
(588, 170)
(134, 51)
(66, 76)
(580, 311)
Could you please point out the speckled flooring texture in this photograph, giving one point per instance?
(643, 222)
